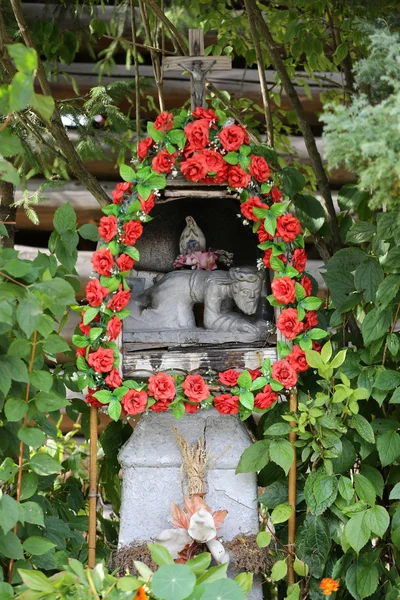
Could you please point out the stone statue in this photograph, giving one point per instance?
(192, 238)
(229, 298)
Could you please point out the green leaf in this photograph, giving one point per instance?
(278, 429)
(374, 477)
(281, 513)
(232, 158)
(213, 574)
(310, 213)
(292, 181)
(350, 196)
(9, 144)
(313, 543)
(9, 513)
(388, 446)
(29, 485)
(44, 464)
(368, 277)
(245, 580)
(377, 519)
(395, 493)
(57, 289)
(363, 428)
(37, 545)
(320, 491)
(89, 314)
(20, 91)
(367, 581)
(10, 546)
(357, 531)
(44, 105)
(49, 401)
(6, 591)
(15, 409)
(28, 314)
(89, 232)
(375, 325)
(244, 380)
(8, 172)
(223, 589)
(360, 232)
(37, 581)
(160, 555)
(254, 458)
(300, 568)
(279, 570)
(387, 291)
(55, 343)
(341, 52)
(41, 380)
(173, 582)
(281, 452)
(25, 58)
(114, 409)
(199, 563)
(387, 380)
(33, 513)
(346, 488)
(64, 219)
(263, 539)
(7, 469)
(364, 488)
(31, 436)
(127, 173)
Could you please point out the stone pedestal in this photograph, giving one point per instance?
(152, 478)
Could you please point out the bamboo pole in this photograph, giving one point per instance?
(92, 489)
(292, 493)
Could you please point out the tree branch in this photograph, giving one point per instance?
(261, 73)
(55, 126)
(155, 58)
(304, 126)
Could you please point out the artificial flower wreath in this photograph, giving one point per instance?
(206, 147)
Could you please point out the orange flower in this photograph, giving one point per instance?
(141, 594)
(328, 586)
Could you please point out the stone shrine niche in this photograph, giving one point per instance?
(176, 311)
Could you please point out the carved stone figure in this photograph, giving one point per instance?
(192, 238)
(229, 298)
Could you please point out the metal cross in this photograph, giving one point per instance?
(198, 66)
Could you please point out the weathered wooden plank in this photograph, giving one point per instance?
(185, 63)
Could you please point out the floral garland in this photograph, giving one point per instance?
(206, 147)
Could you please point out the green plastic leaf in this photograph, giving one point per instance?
(245, 380)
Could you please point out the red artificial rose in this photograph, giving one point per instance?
(283, 372)
(163, 162)
(307, 285)
(113, 379)
(297, 359)
(197, 134)
(263, 235)
(204, 113)
(287, 227)
(90, 399)
(288, 323)
(80, 352)
(237, 178)
(84, 328)
(299, 259)
(316, 346)
(227, 404)
(119, 300)
(259, 168)
(267, 258)
(147, 205)
(119, 192)
(311, 319)
(229, 377)
(191, 408)
(254, 373)
(266, 398)
(144, 147)
(195, 388)
(164, 121)
(284, 290)
(276, 195)
(233, 137)
(95, 292)
(215, 164)
(114, 327)
(160, 406)
(132, 232)
(134, 402)
(162, 387)
(125, 262)
(194, 168)
(102, 360)
(108, 228)
(246, 208)
(103, 262)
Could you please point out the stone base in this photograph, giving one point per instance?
(192, 337)
(152, 476)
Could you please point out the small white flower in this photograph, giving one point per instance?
(245, 222)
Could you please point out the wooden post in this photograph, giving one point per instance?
(292, 493)
(92, 489)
